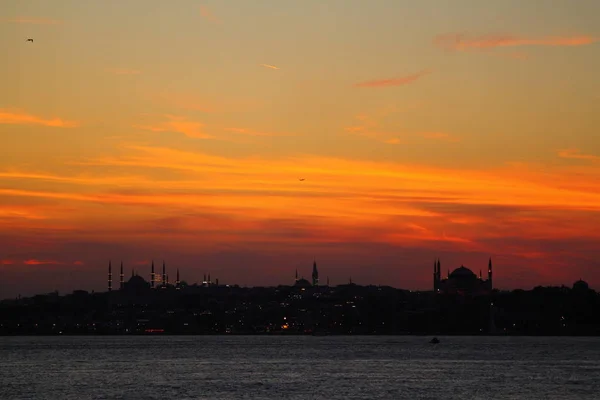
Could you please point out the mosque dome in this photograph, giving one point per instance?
(462, 273)
(136, 282)
(581, 285)
(302, 283)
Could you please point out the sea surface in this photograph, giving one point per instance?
(298, 367)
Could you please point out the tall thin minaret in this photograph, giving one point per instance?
(152, 276)
(109, 276)
(315, 274)
(177, 282)
(439, 271)
(164, 275)
(121, 278)
(490, 283)
(435, 276)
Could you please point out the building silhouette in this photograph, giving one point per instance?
(305, 283)
(462, 281)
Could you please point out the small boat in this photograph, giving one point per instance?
(434, 340)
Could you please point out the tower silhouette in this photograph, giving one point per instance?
(315, 274)
(435, 276)
(109, 276)
(164, 276)
(152, 276)
(121, 278)
(490, 283)
(177, 282)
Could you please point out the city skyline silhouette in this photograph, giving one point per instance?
(248, 138)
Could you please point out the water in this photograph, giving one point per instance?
(267, 367)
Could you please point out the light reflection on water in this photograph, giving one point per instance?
(267, 367)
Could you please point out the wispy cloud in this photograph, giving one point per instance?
(34, 261)
(16, 117)
(78, 263)
(197, 201)
(576, 154)
(6, 262)
(179, 124)
(124, 71)
(393, 141)
(393, 81)
(268, 66)
(251, 132)
(207, 14)
(371, 127)
(463, 42)
(35, 21)
(439, 136)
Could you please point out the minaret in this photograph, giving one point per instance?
(204, 282)
(296, 274)
(164, 275)
(209, 281)
(122, 278)
(177, 281)
(315, 274)
(152, 276)
(439, 271)
(490, 284)
(435, 276)
(109, 276)
(480, 276)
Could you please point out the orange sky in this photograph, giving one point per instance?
(148, 130)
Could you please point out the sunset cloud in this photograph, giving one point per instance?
(15, 117)
(179, 124)
(393, 81)
(6, 262)
(251, 132)
(124, 71)
(78, 263)
(35, 21)
(439, 136)
(207, 14)
(463, 42)
(41, 262)
(195, 201)
(269, 66)
(576, 154)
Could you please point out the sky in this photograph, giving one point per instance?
(180, 131)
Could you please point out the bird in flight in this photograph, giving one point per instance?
(30, 40)
(301, 179)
